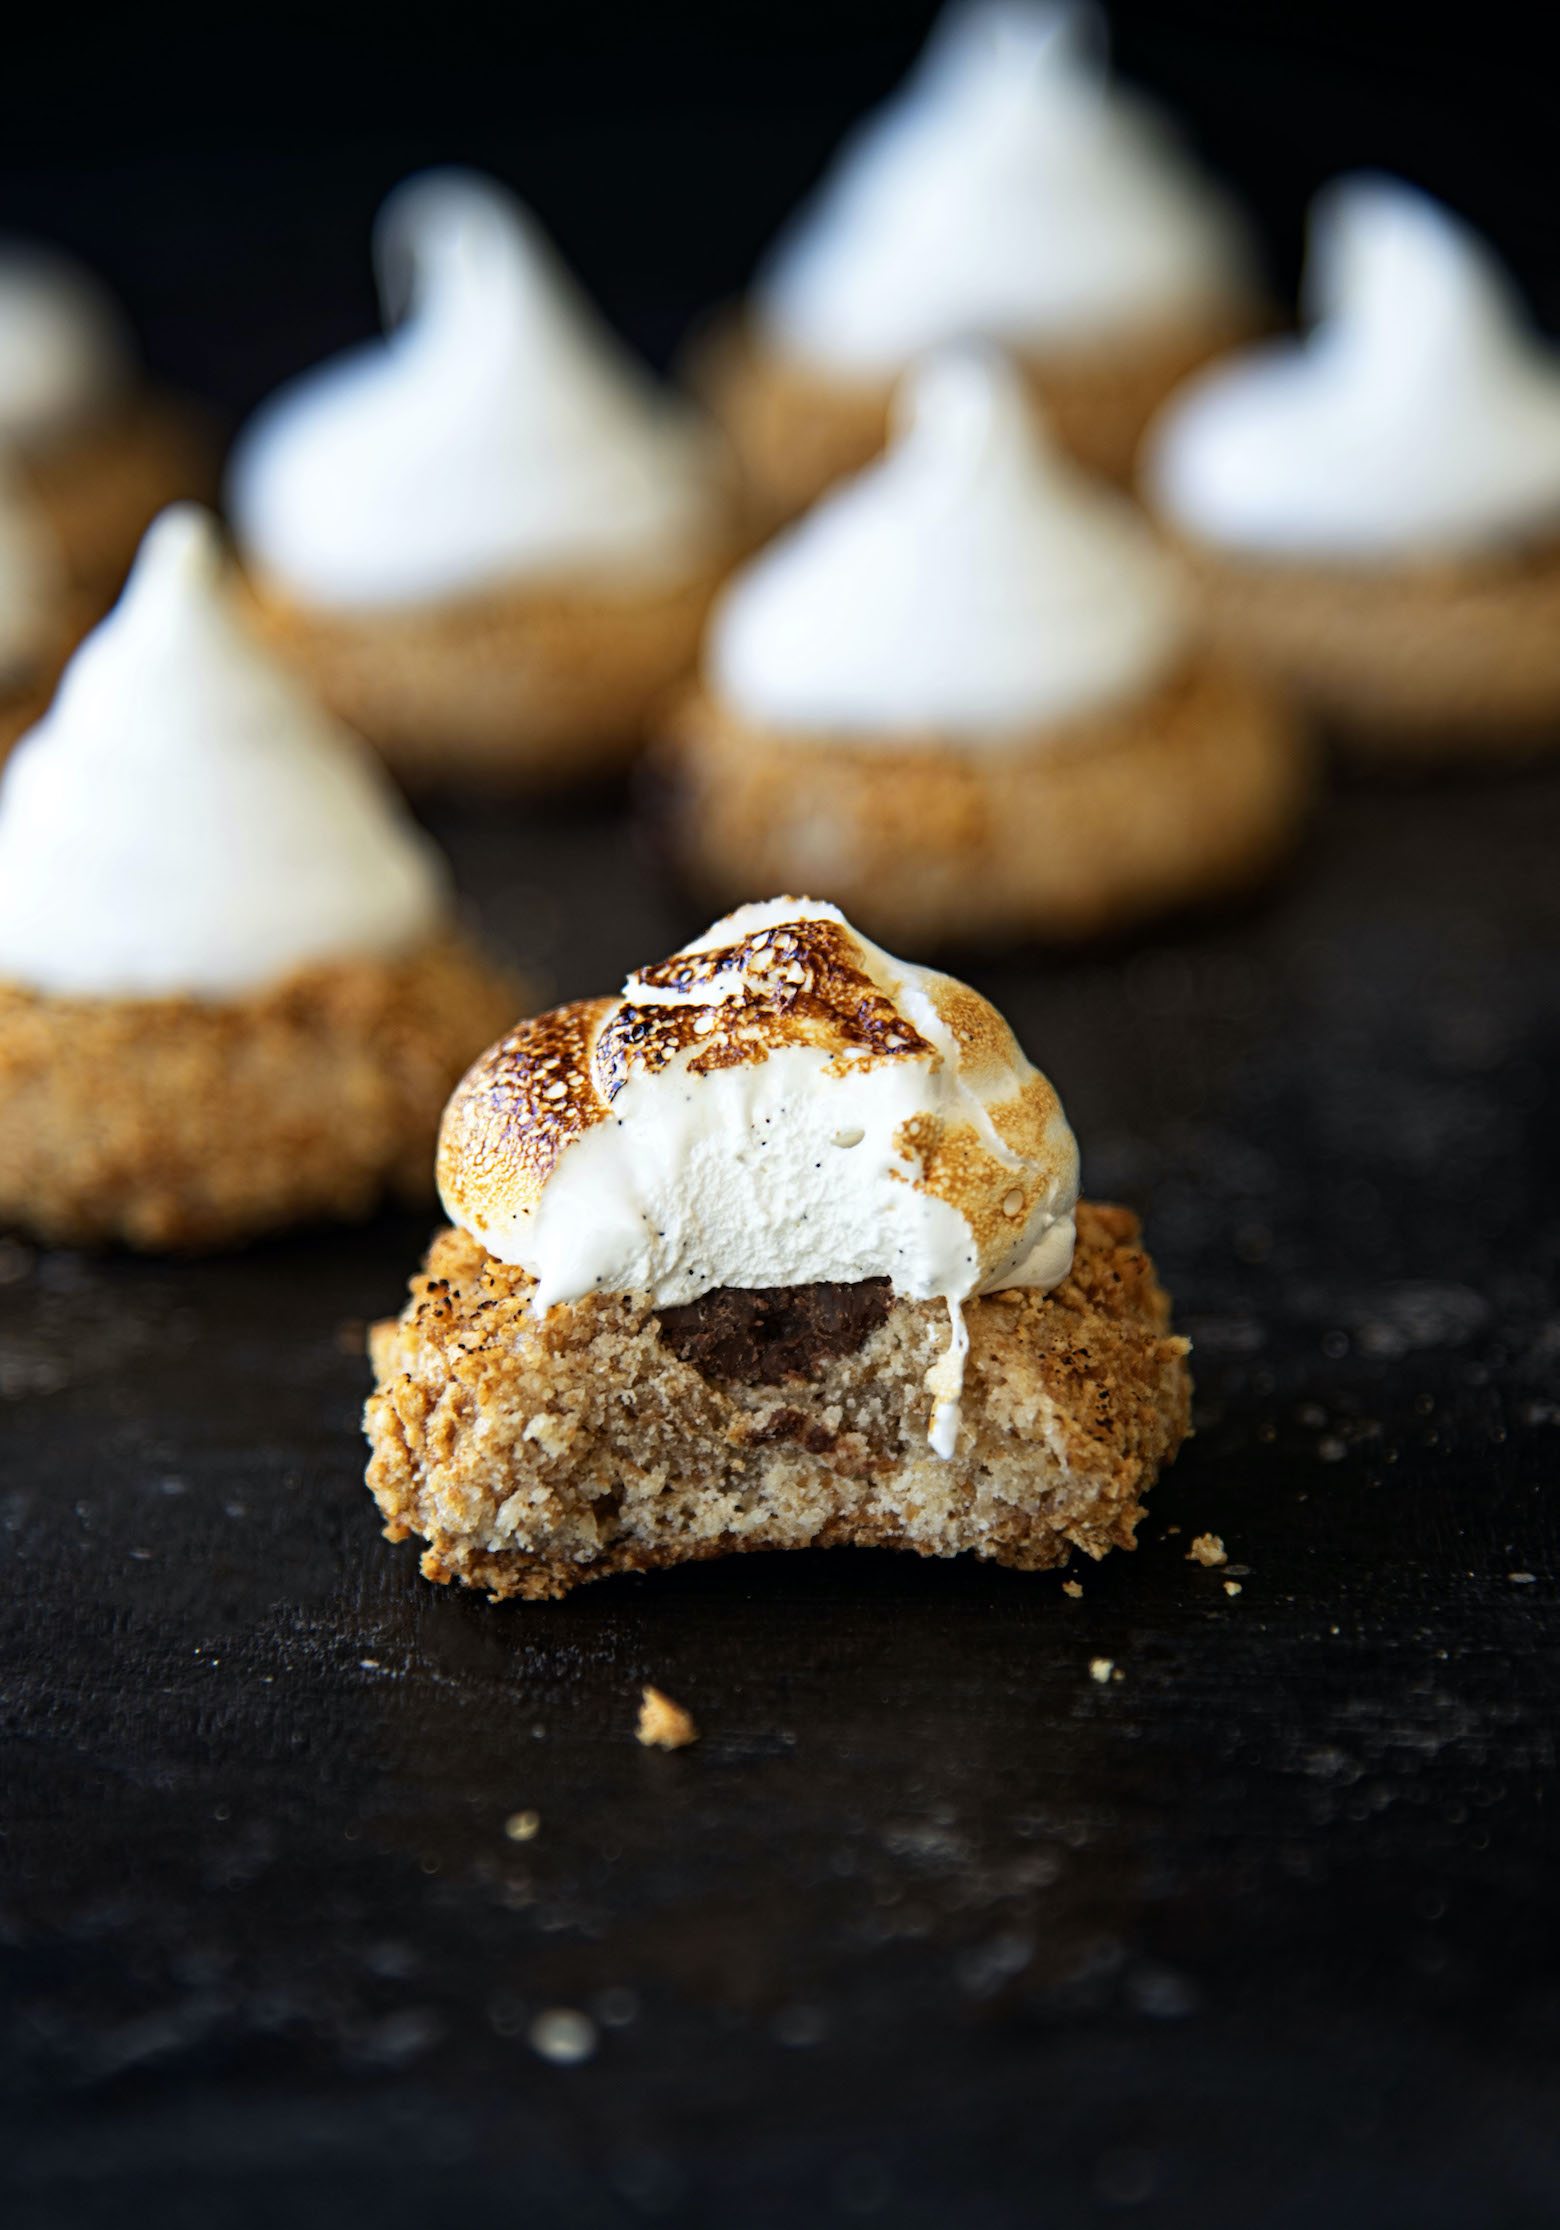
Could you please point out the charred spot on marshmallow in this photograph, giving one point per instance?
(520, 1105)
(799, 983)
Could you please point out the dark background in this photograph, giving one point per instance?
(222, 165)
(932, 1929)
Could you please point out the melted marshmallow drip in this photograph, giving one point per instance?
(187, 819)
(498, 433)
(971, 584)
(1009, 190)
(1420, 414)
(945, 1384)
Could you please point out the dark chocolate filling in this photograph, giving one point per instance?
(761, 1336)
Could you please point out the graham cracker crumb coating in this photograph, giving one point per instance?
(1179, 797)
(533, 689)
(183, 1123)
(100, 486)
(795, 431)
(532, 1455)
(1408, 662)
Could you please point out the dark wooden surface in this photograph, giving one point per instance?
(932, 1927)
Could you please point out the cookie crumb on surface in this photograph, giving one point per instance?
(664, 1725)
(520, 1827)
(1207, 1549)
(1232, 1587)
(1101, 1668)
(1072, 1588)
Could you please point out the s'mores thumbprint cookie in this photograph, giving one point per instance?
(231, 992)
(781, 1248)
(1372, 512)
(97, 448)
(962, 698)
(487, 538)
(1009, 192)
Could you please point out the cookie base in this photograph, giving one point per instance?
(1451, 662)
(182, 1123)
(795, 430)
(1181, 797)
(533, 1454)
(535, 689)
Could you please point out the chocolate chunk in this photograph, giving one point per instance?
(761, 1336)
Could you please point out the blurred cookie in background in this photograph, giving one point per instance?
(1371, 513)
(1011, 191)
(232, 991)
(488, 539)
(96, 447)
(963, 699)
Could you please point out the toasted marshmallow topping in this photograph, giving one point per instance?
(1008, 191)
(1420, 416)
(497, 434)
(187, 819)
(780, 1103)
(65, 353)
(32, 586)
(972, 583)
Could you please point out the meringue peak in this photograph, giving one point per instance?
(498, 432)
(973, 584)
(1419, 415)
(1008, 190)
(187, 819)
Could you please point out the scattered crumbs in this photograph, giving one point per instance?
(521, 1826)
(664, 1725)
(1522, 1579)
(1232, 1587)
(1101, 1668)
(1169, 1529)
(1207, 1549)
(563, 2036)
(1072, 1588)
(369, 1664)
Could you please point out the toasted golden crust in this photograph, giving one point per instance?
(101, 485)
(796, 431)
(1447, 661)
(534, 1454)
(533, 689)
(180, 1123)
(1179, 797)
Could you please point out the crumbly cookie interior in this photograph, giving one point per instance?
(534, 1453)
